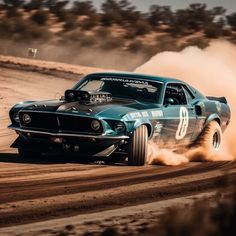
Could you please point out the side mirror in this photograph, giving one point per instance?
(169, 101)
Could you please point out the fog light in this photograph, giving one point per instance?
(95, 124)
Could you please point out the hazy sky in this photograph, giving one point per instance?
(143, 5)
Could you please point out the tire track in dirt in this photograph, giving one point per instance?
(35, 190)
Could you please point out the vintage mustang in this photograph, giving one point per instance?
(120, 112)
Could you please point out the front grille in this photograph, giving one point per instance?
(44, 121)
(58, 122)
(76, 123)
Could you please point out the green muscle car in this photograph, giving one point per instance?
(107, 113)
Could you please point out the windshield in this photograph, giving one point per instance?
(141, 90)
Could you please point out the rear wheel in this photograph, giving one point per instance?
(137, 150)
(212, 137)
(29, 153)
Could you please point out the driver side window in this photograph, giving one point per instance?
(174, 95)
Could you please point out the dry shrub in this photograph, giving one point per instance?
(135, 46)
(199, 42)
(87, 41)
(88, 23)
(40, 17)
(167, 43)
(110, 43)
(102, 32)
(213, 30)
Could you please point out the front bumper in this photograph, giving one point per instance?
(61, 134)
(95, 145)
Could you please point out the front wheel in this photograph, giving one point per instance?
(29, 153)
(137, 150)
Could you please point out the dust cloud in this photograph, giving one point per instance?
(213, 72)
(75, 54)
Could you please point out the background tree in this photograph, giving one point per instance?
(191, 19)
(84, 8)
(13, 3)
(119, 12)
(34, 4)
(232, 21)
(160, 14)
(40, 17)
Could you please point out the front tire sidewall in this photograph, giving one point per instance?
(138, 146)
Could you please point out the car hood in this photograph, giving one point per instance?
(115, 108)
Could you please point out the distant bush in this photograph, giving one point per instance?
(35, 32)
(84, 8)
(232, 21)
(40, 17)
(11, 26)
(70, 22)
(13, 12)
(112, 43)
(141, 27)
(87, 41)
(213, 30)
(166, 43)
(197, 41)
(109, 18)
(135, 46)
(102, 32)
(88, 23)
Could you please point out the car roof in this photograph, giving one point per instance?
(138, 76)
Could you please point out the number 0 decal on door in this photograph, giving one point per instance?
(183, 123)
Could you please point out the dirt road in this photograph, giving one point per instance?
(57, 187)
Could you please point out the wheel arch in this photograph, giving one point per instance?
(213, 117)
(147, 124)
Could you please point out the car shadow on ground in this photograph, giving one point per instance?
(57, 159)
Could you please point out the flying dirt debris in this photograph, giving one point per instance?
(213, 71)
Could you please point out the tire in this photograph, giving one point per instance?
(137, 150)
(29, 153)
(211, 137)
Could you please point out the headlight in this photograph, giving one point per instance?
(96, 125)
(16, 117)
(119, 127)
(26, 118)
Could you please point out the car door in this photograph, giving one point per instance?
(179, 115)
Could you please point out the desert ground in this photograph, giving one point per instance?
(62, 194)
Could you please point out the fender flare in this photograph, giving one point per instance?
(212, 117)
(138, 123)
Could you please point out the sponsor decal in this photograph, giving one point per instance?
(135, 115)
(125, 80)
(183, 123)
(144, 114)
(157, 113)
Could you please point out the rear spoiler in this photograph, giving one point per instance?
(220, 99)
